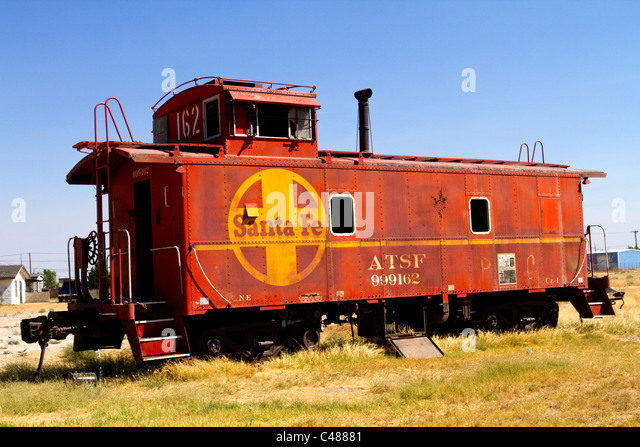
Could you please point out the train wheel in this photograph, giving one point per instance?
(526, 316)
(211, 343)
(549, 315)
(499, 319)
(310, 339)
(492, 322)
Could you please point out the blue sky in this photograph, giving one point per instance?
(566, 73)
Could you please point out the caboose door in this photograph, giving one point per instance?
(142, 236)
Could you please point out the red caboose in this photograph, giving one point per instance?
(232, 232)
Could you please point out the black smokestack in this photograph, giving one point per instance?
(363, 117)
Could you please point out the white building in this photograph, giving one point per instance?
(36, 283)
(13, 284)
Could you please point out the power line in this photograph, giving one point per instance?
(19, 255)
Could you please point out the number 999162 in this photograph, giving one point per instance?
(395, 279)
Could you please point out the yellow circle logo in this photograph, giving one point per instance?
(276, 227)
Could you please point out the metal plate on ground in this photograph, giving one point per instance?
(420, 347)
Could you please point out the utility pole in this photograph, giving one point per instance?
(635, 234)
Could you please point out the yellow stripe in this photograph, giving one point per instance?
(393, 243)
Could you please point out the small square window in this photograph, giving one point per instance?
(342, 215)
(272, 120)
(300, 123)
(244, 118)
(479, 215)
(212, 118)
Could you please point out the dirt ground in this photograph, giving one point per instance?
(12, 348)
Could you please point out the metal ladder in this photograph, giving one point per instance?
(102, 154)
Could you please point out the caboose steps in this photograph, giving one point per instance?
(597, 300)
(157, 339)
(419, 346)
(151, 358)
(601, 297)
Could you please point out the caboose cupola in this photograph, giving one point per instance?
(240, 118)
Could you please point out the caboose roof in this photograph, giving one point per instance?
(240, 90)
(274, 97)
(123, 152)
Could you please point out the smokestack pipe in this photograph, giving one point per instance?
(363, 117)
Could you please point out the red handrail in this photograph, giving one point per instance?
(106, 120)
(520, 154)
(285, 86)
(102, 162)
(606, 253)
(534, 150)
(530, 160)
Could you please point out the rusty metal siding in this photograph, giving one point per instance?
(422, 243)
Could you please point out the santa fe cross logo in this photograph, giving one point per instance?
(289, 217)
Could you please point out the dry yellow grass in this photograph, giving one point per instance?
(579, 374)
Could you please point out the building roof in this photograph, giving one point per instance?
(10, 271)
(621, 250)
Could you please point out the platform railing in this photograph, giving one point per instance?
(128, 253)
(606, 253)
(283, 86)
(177, 249)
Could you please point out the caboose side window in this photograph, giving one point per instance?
(300, 123)
(342, 215)
(211, 117)
(244, 118)
(479, 215)
(272, 120)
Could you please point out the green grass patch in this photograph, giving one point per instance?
(578, 374)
